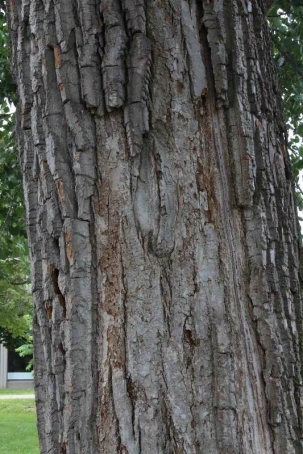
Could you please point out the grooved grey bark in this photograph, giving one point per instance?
(162, 228)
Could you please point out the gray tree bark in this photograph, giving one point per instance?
(162, 227)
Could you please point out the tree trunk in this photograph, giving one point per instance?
(162, 228)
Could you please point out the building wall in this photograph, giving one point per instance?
(12, 379)
(3, 366)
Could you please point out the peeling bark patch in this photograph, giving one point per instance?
(57, 54)
(69, 249)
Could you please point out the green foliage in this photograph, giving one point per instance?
(286, 21)
(7, 87)
(27, 350)
(15, 300)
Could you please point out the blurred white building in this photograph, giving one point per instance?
(12, 370)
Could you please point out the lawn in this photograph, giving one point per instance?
(17, 391)
(18, 432)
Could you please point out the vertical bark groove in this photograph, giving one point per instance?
(162, 228)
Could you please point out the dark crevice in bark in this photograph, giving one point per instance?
(206, 53)
(61, 349)
(132, 393)
(166, 296)
(55, 275)
(63, 449)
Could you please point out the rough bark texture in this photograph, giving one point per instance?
(162, 228)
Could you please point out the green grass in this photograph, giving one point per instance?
(17, 391)
(18, 432)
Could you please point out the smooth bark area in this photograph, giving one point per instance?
(162, 227)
